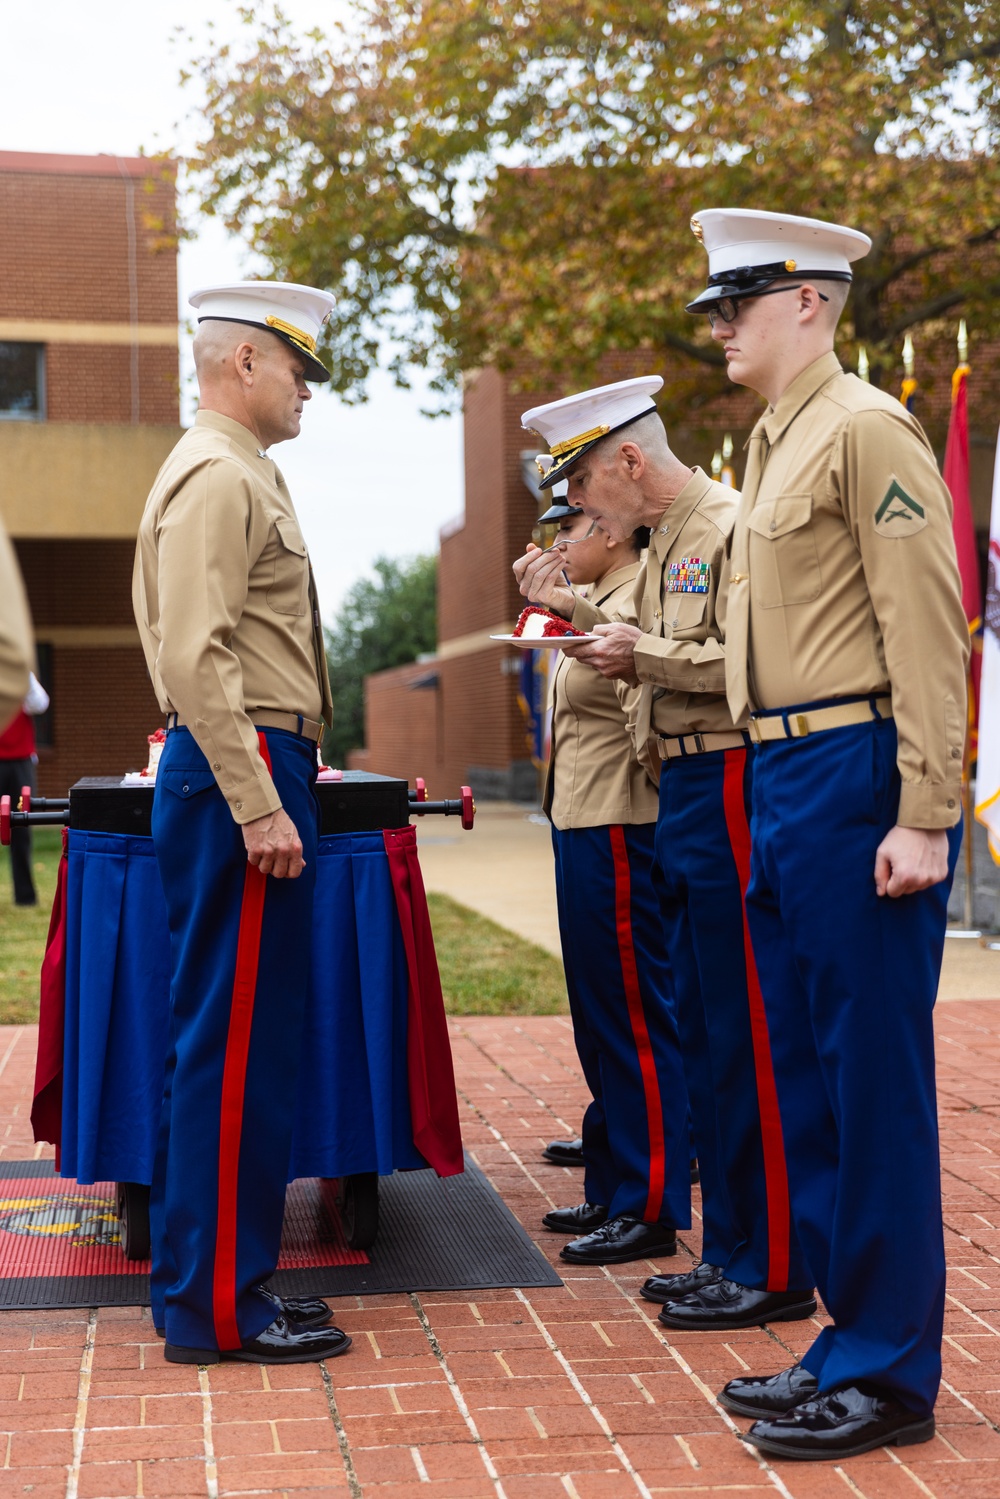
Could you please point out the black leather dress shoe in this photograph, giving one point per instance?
(843, 1423)
(582, 1219)
(280, 1343)
(695, 1172)
(726, 1306)
(663, 1288)
(768, 1395)
(303, 1312)
(620, 1240)
(564, 1152)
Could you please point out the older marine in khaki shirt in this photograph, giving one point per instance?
(672, 674)
(678, 659)
(226, 605)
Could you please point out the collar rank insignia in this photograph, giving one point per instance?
(688, 575)
(898, 514)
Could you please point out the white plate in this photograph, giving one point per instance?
(546, 642)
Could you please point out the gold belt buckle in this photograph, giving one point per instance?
(754, 728)
(699, 743)
(802, 724)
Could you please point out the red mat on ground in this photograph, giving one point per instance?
(53, 1227)
(59, 1244)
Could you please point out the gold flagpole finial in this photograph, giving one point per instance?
(963, 343)
(863, 371)
(716, 464)
(908, 357)
(727, 447)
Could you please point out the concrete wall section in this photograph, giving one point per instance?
(79, 479)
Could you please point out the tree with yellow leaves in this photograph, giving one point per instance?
(511, 181)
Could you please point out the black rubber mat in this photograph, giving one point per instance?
(59, 1241)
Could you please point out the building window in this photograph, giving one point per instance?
(22, 382)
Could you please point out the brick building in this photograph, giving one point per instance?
(456, 718)
(89, 408)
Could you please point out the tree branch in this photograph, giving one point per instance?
(918, 256)
(704, 353)
(924, 312)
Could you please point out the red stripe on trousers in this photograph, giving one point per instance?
(775, 1170)
(637, 1019)
(234, 1076)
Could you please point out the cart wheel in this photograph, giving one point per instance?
(133, 1220)
(358, 1203)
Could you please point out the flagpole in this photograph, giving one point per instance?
(956, 474)
(909, 383)
(963, 363)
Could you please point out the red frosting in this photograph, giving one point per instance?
(553, 624)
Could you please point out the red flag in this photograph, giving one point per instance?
(956, 476)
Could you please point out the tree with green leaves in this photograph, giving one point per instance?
(510, 182)
(384, 621)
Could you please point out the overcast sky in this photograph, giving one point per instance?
(103, 77)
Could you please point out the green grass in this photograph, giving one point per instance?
(23, 930)
(488, 970)
(485, 969)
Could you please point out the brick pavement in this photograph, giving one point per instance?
(538, 1395)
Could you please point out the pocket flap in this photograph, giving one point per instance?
(291, 536)
(684, 611)
(185, 783)
(786, 512)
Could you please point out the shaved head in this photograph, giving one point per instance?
(838, 292)
(216, 342)
(650, 434)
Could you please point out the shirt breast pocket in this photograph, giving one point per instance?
(289, 590)
(784, 562)
(683, 611)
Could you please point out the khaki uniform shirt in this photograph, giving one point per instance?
(225, 603)
(680, 661)
(17, 650)
(594, 779)
(844, 578)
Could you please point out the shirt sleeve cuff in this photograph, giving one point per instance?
(252, 799)
(658, 661)
(586, 615)
(929, 806)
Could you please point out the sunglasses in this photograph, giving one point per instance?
(727, 307)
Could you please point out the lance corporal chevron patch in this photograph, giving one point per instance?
(688, 575)
(898, 513)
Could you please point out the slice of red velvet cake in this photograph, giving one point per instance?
(538, 624)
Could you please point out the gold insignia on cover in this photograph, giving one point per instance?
(697, 230)
(558, 449)
(303, 340)
(790, 265)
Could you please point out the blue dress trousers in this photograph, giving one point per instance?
(635, 1132)
(849, 981)
(240, 944)
(703, 856)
